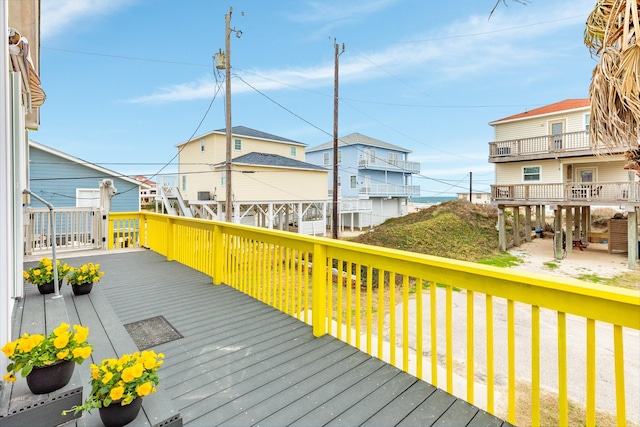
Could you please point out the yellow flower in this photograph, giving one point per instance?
(61, 341)
(10, 377)
(9, 348)
(150, 363)
(144, 389)
(107, 377)
(116, 393)
(62, 354)
(61, 329)
(127, 375)
(36, 272)
(81, 334)
(25, 274)
(28, 343)
(95, 373)
(82, 352)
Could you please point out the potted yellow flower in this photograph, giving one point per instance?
(42, 274)
(82, 278)
(47, 362)
(118, 386)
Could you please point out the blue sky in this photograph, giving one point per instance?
(127, 80)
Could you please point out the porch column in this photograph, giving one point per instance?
(502, 238)
(543, 215)
(557, 230)
(569, 225)
(516, 225)
(539, 218)
(586, 222)
(527, 223)
(578, 225)
(270, 216)
(632, 236)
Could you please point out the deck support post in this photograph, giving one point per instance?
(527, 223)
(516, 225)
(569, 225)
(319, 291)
(586, 222)
(632, 236)
(539, 218)
(557, 230)
(502, 238)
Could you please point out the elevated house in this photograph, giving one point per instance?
(544, 157)
(272, 185)
(148, 189)
(374, 178)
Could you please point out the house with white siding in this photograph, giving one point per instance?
(543, 157)
(374, 179)
(272, 184)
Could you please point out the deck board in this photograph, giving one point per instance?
(241, 362)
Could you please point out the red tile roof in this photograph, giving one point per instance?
(567, 104)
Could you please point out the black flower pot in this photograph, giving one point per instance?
(47, 288)
(116, 415)
(82, 289)
(45, 379)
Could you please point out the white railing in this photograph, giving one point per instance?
(593, 192)
(390, 190)
(389, 164)
(76, 228)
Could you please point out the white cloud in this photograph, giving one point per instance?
(58, 15)
(472, 45)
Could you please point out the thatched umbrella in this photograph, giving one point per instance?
(612, 34)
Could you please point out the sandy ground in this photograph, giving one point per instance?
(537, 256)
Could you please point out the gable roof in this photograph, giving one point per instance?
(69, 157)
(248, 132)
(358, 138)
(272, 160)
(566, 105)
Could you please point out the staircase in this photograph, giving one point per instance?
(173, 202)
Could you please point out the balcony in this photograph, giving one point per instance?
(389, 190)
(586, 194)
(541, 330)
(543, 147)
(376, 163)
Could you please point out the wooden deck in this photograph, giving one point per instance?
(241, 362)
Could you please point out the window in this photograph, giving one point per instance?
(223, 178)
(531, 173)
(339, 156)
(293, 151)
(393, 159)
(327, 159)
(587, 121)
(184, 182)
(87, 197)
(202, 145)
(353, 181)
(237, 145)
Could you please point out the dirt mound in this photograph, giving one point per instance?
(457, 229)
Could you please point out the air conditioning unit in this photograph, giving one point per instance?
(204, 195)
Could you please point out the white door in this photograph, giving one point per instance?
(557, 131)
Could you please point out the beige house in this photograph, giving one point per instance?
(476, 198)
(543, 157)
(272, 185)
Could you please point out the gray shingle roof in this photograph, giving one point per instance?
(252, 133)
(274, 160)
(358, 138)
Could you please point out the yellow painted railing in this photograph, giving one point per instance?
(479, 332)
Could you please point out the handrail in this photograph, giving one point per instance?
(345, 289)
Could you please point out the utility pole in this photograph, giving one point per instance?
(334, 213)
(470, 186)
(228, 203)
(223, 61)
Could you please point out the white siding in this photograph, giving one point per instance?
(539, 126)
(512, 173)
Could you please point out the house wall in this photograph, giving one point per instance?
(539, 126)
(56, 179)
(608, 169)
(278, 184)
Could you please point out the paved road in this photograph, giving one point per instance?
(576, 351)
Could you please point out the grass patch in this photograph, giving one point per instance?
(628, 280)
(503, 259)
(593, 278)
(551, 265)
(549, 410)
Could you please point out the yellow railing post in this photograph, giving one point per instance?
(169, 237)
(109, 235)
(318, 290)
(218, 258)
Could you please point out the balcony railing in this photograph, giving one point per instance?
(483, 322)
(389, 190)
(388, 164)
(594, 193)
(76, 228)
(572, 142)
